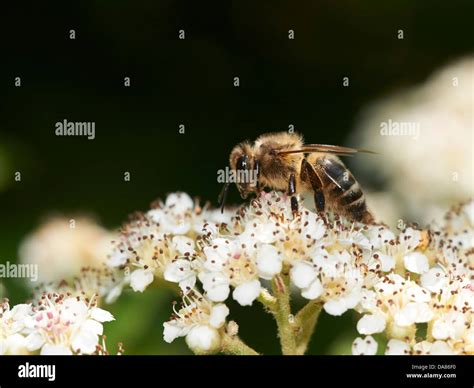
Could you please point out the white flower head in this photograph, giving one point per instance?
(430, 107)
(104, 284)
(230, 262)
(396, 305)
(200, 321)
(162, 242)
(65, 325)
(61, 247)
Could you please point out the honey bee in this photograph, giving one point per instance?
(281, 161)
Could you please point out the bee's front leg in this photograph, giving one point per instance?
(291, 193)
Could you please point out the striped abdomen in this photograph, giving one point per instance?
(343, 190)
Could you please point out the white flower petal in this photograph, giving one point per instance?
(140, 279)
(335, 307)
(218, 316)
(174, 226)
(179, 271)
(14, 344)
(156, 215)
(216, 285)
(302, 274)
(416, 262)
(113, 294)
(92, 326)
(353, 298)
(314, 290)
(434, 280)
(183, 244)
(416, 293)
(218, 293)
(172, 331)
(413, 313)
(247, 292)
(85, 342)
(379, 236)
(73, 309)
(101, 315)
(117, 258)
(312, 225)
(371, 324)
(269, 261)
(468, 210)
(410, 238)
(188, 283)
(203, 339)
(265, 233)
(34, 341)
(179, 203)
(387, 263)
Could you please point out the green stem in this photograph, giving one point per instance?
(295, 333)
(282, 313)
(306, 321)
(235, 346)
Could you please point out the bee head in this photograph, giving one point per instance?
(244, 168)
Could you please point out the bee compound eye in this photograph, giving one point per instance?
(242, 162)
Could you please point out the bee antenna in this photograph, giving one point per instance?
(223, 196)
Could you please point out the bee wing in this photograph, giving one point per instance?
(326, 148)
(325, 172)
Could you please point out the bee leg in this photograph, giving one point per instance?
(319, 201)
(316, 184)
(292, 192)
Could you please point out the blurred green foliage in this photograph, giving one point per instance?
(189, 82)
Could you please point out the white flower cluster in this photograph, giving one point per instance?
(416, 121)
(162, 242)
(327, 261)
(200, 321)
(437, 291)
(60, 247)
(101, 282)
(397, 281)
(71, 257)
(56, 324)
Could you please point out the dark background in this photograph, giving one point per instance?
(190, 82)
